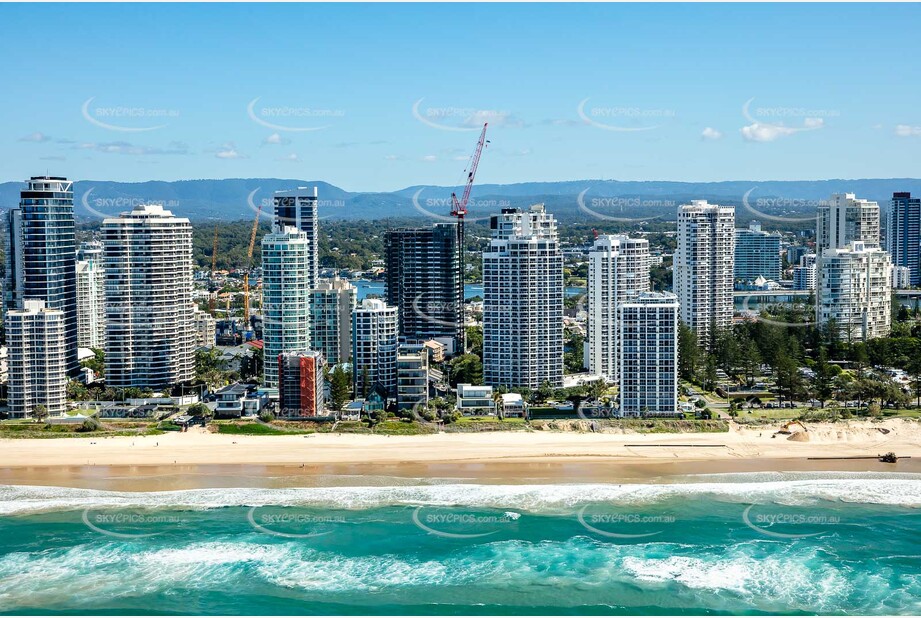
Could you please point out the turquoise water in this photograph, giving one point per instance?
(766, 543)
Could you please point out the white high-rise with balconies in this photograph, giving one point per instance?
(299, 208)
(523, 301)
(853, 275)
(618, 270)
(285, 297)
(91, 296)
(150, 338)
(374, 347)
(36, 340)
(703, 266)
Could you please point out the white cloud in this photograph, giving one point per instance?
(38, 136)
(710, 133)
(276, 139)
(907, 130)
(125, 148)
(290, 157)
(229, 151)
(758, 132)
(814, 123)
(392, 157)
(429, 158)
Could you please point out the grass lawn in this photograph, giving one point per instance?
(252, 429)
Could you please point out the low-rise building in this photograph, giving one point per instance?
(301, 377)
(513, 405)
(412, 379)
(475, 400)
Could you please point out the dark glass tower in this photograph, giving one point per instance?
(903, 233)
(41, 254)
(424, 282)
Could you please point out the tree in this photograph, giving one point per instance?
(466, 369)
(914, 370)
(40, 412)
(365, 383)
(339, 387)
(688, 352)
(544, 391)
(475, 340)
(822, 384)
(573, 358)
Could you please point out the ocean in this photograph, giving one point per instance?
(757, 543)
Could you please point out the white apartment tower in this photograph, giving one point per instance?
(299, 208)
(91, 296)
(703, 266)
(331, 306)
(374, 346)
(523, 301)
(844, 219)
(285, 296)
(36, 340)
(853, 275)
(150, 339)
(648, 355)
(618, 270)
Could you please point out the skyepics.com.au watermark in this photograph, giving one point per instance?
(129, 524)
(595, 207)
(458, 118)
(623, 523)
(622, 118)
(781, 209)
(787, 522)
(455, 523)
(105, 207)
(292, 522)
(440, 208)
(265, 206)
(127, 119)
(296, 118)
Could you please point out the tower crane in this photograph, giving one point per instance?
(459, 211)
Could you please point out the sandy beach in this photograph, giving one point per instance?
(200, 458)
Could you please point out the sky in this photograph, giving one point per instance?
(381, 97)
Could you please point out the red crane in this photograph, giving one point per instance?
(459, 207)
(459, 210)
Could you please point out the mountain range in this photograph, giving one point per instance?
(238, 198)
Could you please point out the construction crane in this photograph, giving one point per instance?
(212, 298)
(249, 264)
(459, 211)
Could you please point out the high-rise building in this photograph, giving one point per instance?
(703, 266)
(901, 277)
(285, 297)
(648, 356)
(150, 338)
(804, 275)
(331, 306)
(757, 254)
(91, 296)
(523, 301)
(299, 209)
(36, 339)
(374, 347)
(301, 377)
(844, 219)
(903, 234)
(618, 270)
(412, 377)
(425, 283)
(853, 292)
(41, 252)
(205, 329)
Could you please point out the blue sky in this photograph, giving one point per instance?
(327, 92)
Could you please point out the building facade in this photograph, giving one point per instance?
(648, 359)
(425, 282)
(853, 292)
(412, 378)
(299, 209)
(91, 296)
(301, 377)
(757, 254)
(804, 275)
(903, 234)
(285, 297)
(374, 347)
(703, 266)
(845, 218)
(150, 339)
(41, 252)
(331, 306)
(37, 359)
(205, 329)
(618, 270)
(523, 301)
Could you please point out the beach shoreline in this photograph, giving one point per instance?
(202, 459)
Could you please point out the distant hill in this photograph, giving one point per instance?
(236, 198)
